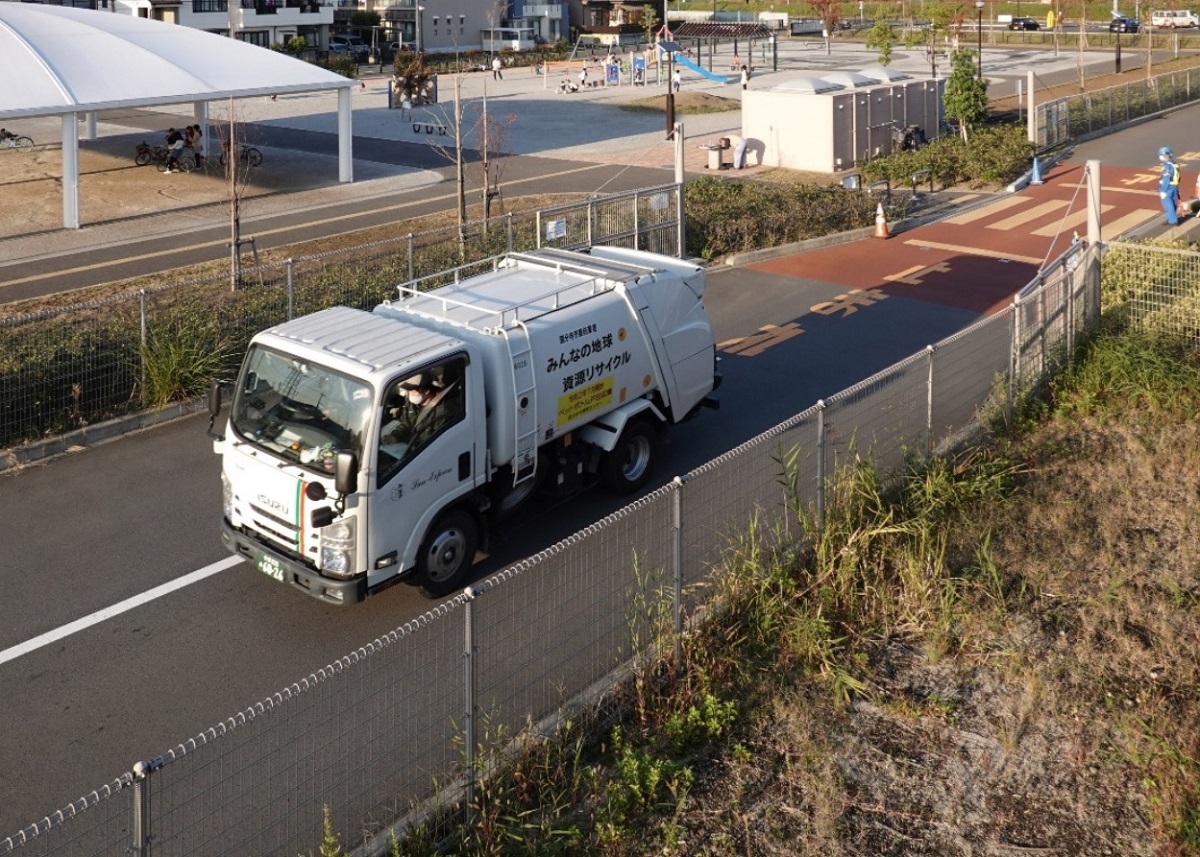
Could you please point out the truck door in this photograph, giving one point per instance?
(424, 457)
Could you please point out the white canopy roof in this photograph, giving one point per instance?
(63, 61)
(58, 59)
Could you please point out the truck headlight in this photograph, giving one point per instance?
(338, 548)
(226, 497)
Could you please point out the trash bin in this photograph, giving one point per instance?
(716, 157)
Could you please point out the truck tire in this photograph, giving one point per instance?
(628, 467)
(447, 554)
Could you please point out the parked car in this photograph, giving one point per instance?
(1024, 24)
(356, 47)
(1173, 18)
(388, 52)
(1123, 25)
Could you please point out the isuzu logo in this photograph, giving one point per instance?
(273, 504)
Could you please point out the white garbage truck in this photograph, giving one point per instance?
(365, 447)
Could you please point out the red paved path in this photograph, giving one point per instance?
(977, 260)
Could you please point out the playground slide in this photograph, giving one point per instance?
(680, 59)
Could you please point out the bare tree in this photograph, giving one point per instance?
(493, 134)
(232, 141)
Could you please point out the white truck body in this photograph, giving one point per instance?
(555, 362)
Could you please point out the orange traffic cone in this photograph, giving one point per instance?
(881, 228)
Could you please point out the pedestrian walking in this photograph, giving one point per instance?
(676, 81)
(1168, 185)
(583, 77)
(496, 75)
(745, 76)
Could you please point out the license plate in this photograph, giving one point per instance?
(270, 566)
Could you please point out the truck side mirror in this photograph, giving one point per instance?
(345, 474)
(214, 408)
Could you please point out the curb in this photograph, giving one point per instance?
(40, 451)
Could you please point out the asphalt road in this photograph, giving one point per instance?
(92, 529)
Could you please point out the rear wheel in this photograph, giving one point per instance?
(628, 467)
(447, 554)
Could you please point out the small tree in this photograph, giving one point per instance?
(830, 13)
(882, 38)
(649, 22)
(965, 99)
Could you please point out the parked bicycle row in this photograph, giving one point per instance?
(182, 152)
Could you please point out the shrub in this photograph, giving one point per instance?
(730, 217)
(994, 155)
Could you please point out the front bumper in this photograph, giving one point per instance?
(297, 574)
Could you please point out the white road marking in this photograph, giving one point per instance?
(116, 609)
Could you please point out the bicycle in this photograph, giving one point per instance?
(183, 162)
(16, 142)
(147, 154)
(246, 154)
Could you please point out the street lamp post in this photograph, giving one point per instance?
(419, 9)
(979, 33)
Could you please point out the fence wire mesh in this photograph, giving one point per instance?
(356, 739)
(596, 594)
(1077, 116)
(384, 730)
(96, 824)
(1155, 289)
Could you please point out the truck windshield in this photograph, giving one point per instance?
(300, 411)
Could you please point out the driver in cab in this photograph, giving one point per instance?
(404, 406)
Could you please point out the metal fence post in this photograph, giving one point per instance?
(677, 565)
(1043, 324)
(537, 229)
(509, 224)
(637, 227)
(1068, 275)
(411, 262)
(291, 288)
(591, 211)
(929, 399)
(1014, 360)
(820, 468)
(143, 321)
(469, 698)
(142, 817)
(680, 226)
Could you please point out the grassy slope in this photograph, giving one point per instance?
(999, 659)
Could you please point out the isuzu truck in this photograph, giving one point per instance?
(365, 447)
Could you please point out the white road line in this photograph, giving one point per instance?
(116, 610)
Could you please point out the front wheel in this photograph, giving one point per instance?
(143, 157)
(628, 467)
(254, 157)
(447, 554)
(23, 143)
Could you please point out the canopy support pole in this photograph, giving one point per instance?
(70, 171)
(345, 137)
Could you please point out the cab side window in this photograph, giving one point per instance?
(418, 408)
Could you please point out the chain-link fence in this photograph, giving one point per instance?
(392, 728)
(1078, 117)
(67, 368)
(1156, 289)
